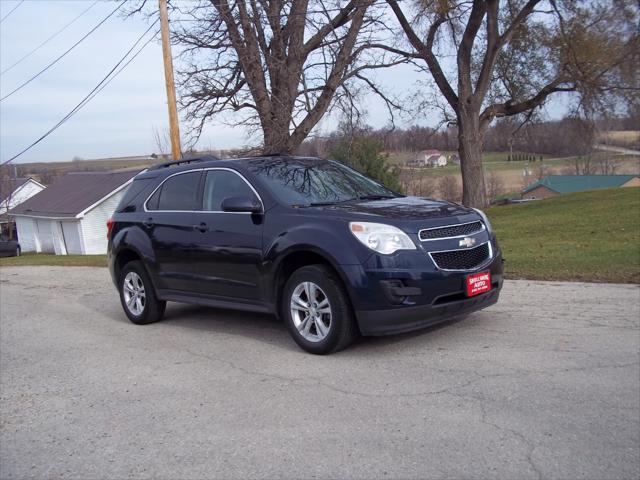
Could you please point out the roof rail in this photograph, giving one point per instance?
(183, 161)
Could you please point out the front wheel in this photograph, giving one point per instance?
(317, 310)
(137, 295)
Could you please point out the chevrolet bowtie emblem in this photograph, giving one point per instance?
(467, 242)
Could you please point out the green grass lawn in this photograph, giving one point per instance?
(55, 260)
(589, 236)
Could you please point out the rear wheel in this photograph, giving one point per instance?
(137, 295)
(317, 310)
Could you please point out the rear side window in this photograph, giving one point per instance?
(221, 184)
(131, 193)
(179, 192)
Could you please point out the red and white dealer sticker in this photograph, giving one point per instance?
(478, 283)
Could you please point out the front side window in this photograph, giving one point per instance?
(221, 184)
(179, 192)
(310, 181)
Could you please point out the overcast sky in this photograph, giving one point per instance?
(121, 118)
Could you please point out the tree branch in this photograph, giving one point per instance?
(425, 51)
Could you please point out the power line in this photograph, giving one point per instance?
(11, 11)
(65, 53)
(50, 38)
(101, 85)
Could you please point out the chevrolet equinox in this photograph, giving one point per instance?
(330, 251)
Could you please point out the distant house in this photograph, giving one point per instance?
(70, 216)
(428, 158)
(553, 185)
(14, 191)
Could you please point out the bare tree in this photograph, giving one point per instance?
(580, 165)
(511, 56)
(278, 65)
(495, 185)
(162, 141)
(449, 188)
(540, 171)
(606, 164)
(417, 185)
(7, 185)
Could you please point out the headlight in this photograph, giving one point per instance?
(485, 219)
(380, 237)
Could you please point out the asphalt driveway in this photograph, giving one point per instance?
(546, 384)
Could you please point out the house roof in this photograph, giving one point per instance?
(10, 185)
(430, 152)
(73, 193)
(578, 183)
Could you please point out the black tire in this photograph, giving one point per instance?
(18, 251)
(153, 309)
(342, 328)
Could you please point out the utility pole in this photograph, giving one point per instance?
(174, 128)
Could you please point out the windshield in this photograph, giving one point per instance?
(308, 182)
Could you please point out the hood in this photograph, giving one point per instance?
(411, 213)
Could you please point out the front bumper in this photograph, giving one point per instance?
(406, 319)
(441, 297)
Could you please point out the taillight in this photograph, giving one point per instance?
(110, 223)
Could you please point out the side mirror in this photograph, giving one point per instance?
(241, 204)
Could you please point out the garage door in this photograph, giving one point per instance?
(71, 234)
(46, 235)
(26, 234)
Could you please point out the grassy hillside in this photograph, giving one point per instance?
(588, 236)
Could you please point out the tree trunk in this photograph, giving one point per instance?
(277, 138)
(470, 139)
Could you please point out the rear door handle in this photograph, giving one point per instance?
(148, 222)
(201, 228)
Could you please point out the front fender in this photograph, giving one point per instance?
(339, 249)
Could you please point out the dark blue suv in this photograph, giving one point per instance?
(332, 252)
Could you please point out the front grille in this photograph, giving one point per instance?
(451, 231)
(462, 259)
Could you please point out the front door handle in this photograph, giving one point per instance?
(148, 223)
(202, 228)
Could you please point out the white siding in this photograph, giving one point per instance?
(26, 191)
(45, 235)
(27, 234)
(94, 225)
(72, 240)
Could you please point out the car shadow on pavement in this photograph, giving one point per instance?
(258, 326)
(269, 329)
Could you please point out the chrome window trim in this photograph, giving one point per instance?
(483, 229)
(144, 205)
(482, 265)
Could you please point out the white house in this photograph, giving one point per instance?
(428, 158)
(433, 158)
(70, 216)
(14, 191)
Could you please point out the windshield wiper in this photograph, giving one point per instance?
(376, 197)
(313, 204)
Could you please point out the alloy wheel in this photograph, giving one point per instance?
(311, 311)
(134, 294)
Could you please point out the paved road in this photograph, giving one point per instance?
(546, 384)
(619, 150)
